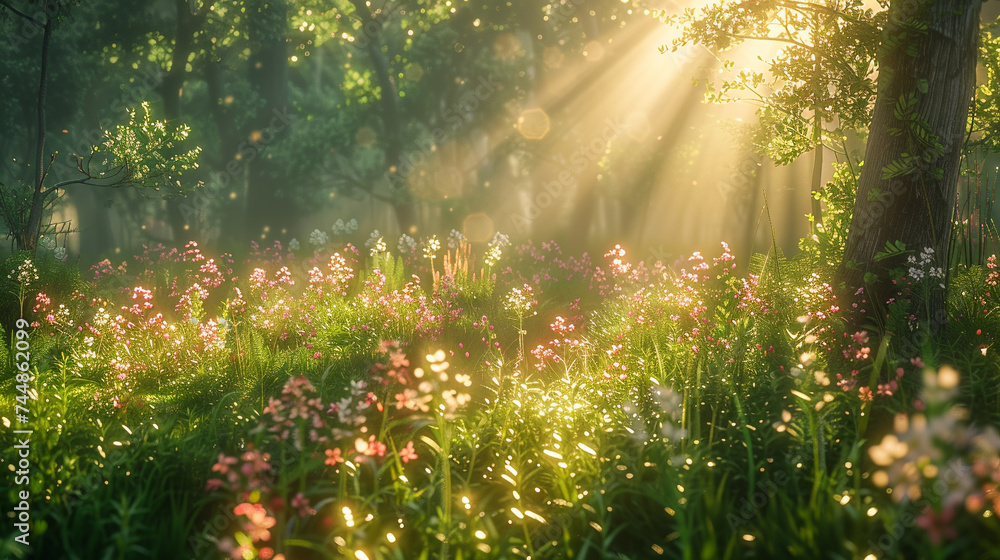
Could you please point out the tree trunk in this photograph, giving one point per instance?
(268, 213)
(28, 240)
(171, 90)
(938, 67)
(391, 119)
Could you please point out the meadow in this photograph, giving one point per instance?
(435, 398)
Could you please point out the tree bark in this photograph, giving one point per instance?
(28, 241)
(391, 119)
(170, 90)
(937, 65)
(268, 213)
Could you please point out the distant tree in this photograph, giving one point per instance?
(142, 153)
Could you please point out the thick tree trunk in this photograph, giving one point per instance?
(938, 66)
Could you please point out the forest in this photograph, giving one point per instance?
(483, 279)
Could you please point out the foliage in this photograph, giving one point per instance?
(147, 153)
(823, 73)
(668, 410)
(825, 246)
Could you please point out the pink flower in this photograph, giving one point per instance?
(369, 448)
(865, 394)
(301, 503)
(408, 453)
(213, 484)
(259, 522)
(937, 525)
(333, 457)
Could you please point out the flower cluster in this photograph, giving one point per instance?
(938, 461)
(318, 238)
(407, 245)
(924, 266)
(495, 248)
(340, 227)
(25, 274)
(521, 300)
(431, 247)
(455, 239)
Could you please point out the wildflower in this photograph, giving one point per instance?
(258, 277)
(431, 247)
(521, 300)
(406, 244)
(938, 526)
(455, 238)
(618, 266)
(257, 528)
(408, 453)
(378, 247)
(495, 248)
(301, 503)
(333, 457)
(24, 274)
(318, 238)
(370, 448)
(340, 226)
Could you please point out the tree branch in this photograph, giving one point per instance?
(17, 12)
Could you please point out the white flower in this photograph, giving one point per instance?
(318, 237)
(352, 226)
(373, 238)
(431, 247)
(25, 273)
(378, 247)
(407, 244)
(501, 240)
(495, 249)
(916, 273)
(454, 239)
(293, 245)
(339, 227)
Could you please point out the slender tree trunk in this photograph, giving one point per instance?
(170, 90)
(268, 213)
(818, 98)
(939, 67)
(29, 240)
(392, 121)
